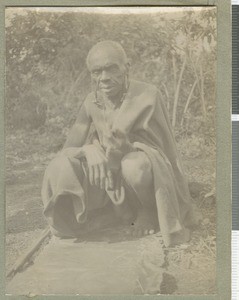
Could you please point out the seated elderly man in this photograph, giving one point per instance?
(130, 163)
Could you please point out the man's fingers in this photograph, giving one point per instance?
(85, 168)
(118, 187)
(103, 183)
(96, 175)
(110, 180)
(102, 176)
(91, 175)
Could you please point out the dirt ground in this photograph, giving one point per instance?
(192, 264)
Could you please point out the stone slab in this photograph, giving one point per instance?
(101, 264)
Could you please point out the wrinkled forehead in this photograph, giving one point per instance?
(102, 57)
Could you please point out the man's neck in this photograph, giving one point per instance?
(116, 98)
(113, 100)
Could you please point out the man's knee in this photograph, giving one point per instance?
(136, 169)
(59, 163)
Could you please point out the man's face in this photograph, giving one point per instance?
(107, 71)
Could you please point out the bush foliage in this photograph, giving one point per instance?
(47, 78)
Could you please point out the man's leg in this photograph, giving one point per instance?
(68, 197)
(137, 173)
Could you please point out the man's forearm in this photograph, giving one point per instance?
(76, 137)
(76, 152)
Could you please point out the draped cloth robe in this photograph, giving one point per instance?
(143, 118)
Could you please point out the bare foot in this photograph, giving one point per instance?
(145, 223)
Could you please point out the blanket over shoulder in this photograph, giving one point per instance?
(143, 118)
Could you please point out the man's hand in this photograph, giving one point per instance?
(118, 147)
(98, 172)
(72, 152)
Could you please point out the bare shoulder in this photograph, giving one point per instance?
(88, 102)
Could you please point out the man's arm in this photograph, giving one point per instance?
(75, 146)
(79, 132)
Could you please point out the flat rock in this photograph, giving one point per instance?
(106, 263)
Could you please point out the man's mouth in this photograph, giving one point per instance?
(106, 87)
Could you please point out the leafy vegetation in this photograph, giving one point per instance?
(47, 78)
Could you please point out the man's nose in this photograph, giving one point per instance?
(104, 75)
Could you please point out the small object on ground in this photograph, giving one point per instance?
(23, 259)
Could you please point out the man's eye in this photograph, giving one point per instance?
(96, 72)
(112, 69)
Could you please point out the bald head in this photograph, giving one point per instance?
(109, 68)
(106, 48)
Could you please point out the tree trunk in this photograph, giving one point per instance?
(176, 95)
(188, 100)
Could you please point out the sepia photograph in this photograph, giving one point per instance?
(110, 150)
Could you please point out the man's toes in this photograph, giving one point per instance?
(141, 232)
(151, 231)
